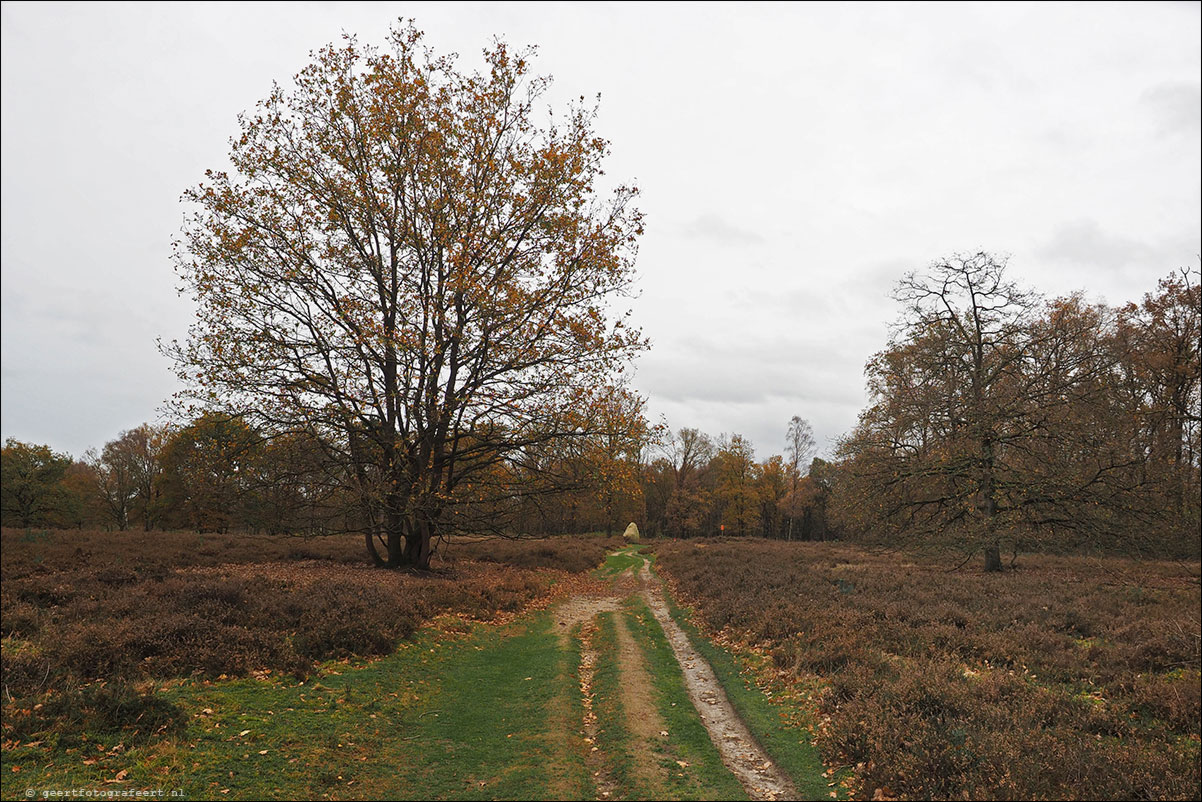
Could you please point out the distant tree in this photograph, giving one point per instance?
(614, 458)
(143, 448)
(813, 497)
(657, 484)
(688, 452)
(799, 448)
(117, 470)
(209, 471)
(296, 488)
(736, 485)
(407, 267)
(127, 470)
(31, 485)
(772, 487)
(687, 508)
(587, 483)
(115, 481)
(1158, 341)
(81, 506)
(689, 511)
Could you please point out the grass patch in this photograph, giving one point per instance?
(613, 739)
(620, 560)
(569, 774)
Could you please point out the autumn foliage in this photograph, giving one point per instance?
(409, 266)
(1000, 419)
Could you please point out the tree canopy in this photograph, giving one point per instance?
(407, 266)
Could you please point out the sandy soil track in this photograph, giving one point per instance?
(742, 755)
(756, 772)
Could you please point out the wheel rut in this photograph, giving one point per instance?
(742, 755)
(759, 775)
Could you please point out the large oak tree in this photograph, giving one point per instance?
(407, 265)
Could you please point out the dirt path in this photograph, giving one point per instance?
(741, 754)
(756, 772)
(582, 611)
(642, 719)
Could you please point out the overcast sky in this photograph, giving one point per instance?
(794, 161)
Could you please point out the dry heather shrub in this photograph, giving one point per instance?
(234, 622)
(158, 553)
(82, 607)
(341, 621)
(21, 619)
(1069, 678)
(572, 553)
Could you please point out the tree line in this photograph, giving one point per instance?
(1002, 419)
(221, 474)
(997, 420)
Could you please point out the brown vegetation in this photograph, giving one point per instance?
(1067, 678)
(119, 609)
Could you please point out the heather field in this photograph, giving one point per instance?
(89, 617)
(241, 667)
(1066, 678)
(236, 666)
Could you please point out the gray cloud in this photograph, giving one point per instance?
(752, 369)
(711, 226)
(1083, 242)
(1176, 106)
(787, 185)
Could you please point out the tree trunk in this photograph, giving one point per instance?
(417, 549)
(370, 538)
(993, 557)
(395, 553)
